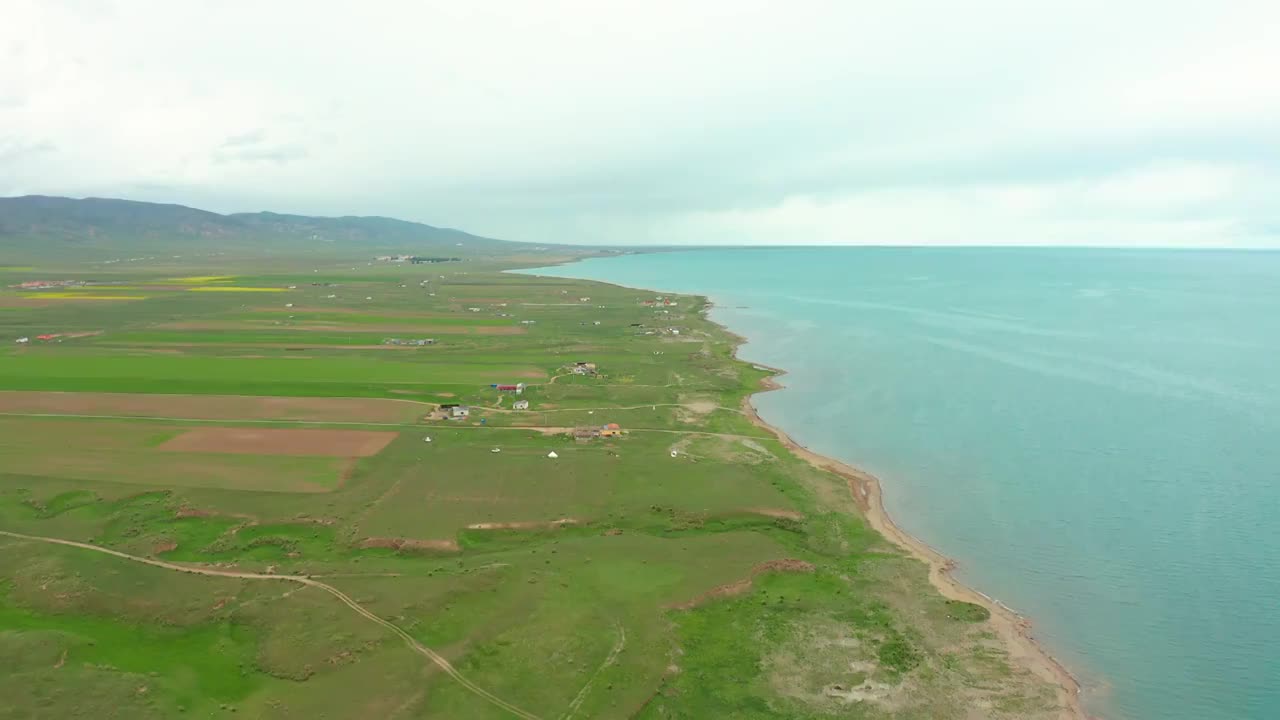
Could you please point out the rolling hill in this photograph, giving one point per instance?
(43, 224)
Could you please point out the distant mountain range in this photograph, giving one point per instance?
(39, 222)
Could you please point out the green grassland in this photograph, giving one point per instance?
(614, 581)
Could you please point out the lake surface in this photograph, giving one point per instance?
(1094, 435)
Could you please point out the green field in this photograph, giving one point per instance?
(613, 581)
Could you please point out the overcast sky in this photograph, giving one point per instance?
(1124, 122)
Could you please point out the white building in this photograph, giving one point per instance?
(520, 405)
(455, 412)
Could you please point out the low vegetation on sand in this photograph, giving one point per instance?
(567, 516)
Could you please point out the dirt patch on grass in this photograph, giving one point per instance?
(409, 544)
(258, 441)
(701, 407)
(551, 430)
(776, 513)
(348, 469)
(524, 525)
(741, 586)
(210, 407)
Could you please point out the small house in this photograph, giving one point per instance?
(611, 430)
(23, 340)
(584, 368)
(520, 405)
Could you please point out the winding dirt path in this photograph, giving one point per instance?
(611, 659)
(408, 639)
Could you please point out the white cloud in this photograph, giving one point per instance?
(1173, 206)
(993, 121)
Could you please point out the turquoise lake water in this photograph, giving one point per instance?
(1094, 435)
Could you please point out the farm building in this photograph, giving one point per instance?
(518, 388)
(455, 412)
(520, 405)
(584, 368)
(611, 430)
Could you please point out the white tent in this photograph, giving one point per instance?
(552, 454)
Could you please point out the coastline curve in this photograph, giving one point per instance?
(1013, 628)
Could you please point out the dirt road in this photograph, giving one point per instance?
(409, 640)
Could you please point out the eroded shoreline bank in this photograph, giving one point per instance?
(1013, 628)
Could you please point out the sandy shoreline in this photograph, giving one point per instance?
(1013, 629)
